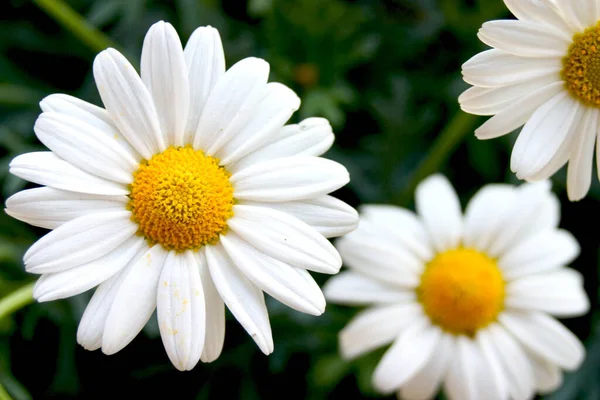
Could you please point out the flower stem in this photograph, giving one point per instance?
(446, 142)
(4, 394)
(16, 300)
(72, 21)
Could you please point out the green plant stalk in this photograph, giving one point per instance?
(457, 129)
(4, 394)
(76, 24)
(16, 300)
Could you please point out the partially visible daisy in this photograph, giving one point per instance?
(543, 72)
(186, 193)
(465, 301)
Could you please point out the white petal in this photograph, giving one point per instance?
(426, 382)
(327, 215)
(85, 147)
(543, 134)
(438, 206)
(352, 288)
(407, 356)
(181, 310)
(79, 241)
(231, 103)
(579, 173)
(77, 280)
(271, 112)
(400, 225)
(548, 377)
(45, 168)
(245, 301)
(50, 208)
(492, 380)
(515, 363)
(545, 337)
(578, 14)
(285, 238)
(135, 301)
(545, 251)
(128, 102)
(294, 287)
(289, 179)
(311, 137)
(543, 12)
(205, 61)
(461, 382)
(215, 313)
(518, 112)
(493, 68)
(91, 326)
(376, 327)
(165, 74)
(90, 114)
(525, 39)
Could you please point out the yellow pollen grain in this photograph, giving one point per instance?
(581, 67)
(181, 199)
(462, 291)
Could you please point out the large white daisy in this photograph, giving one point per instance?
(544, 72)
(465, 301)
(186, 193)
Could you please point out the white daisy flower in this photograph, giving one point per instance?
(186, 193)
(465, 301)
(543, 72)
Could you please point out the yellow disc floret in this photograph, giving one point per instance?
(181, 199)
(581, 66)
(461, 291)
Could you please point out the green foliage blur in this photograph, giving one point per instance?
(386, 73)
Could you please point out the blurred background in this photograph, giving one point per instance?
(386, 73)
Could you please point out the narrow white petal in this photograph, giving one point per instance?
(90, 114)
(45, 168)
(352, 288)
(181, 310)
(327, 215)
(548, 377)
(165, 74)
(543, 12)
(578, 14)
(215, 313)
(205, 61)
(579, 173)
(128, 102)
(492, 380)
(545, 337)
(543, 252)
(292, 286)
(311, 137)
(285, 238)
(438, 205)
(289, 179)
(77, 280)
(50, 208)
(461, 382)
(515, 362)
(425, 384)
(407, 356)
(135, 301)
(245, 301)
(79, 241)
(91, 326)
(231, 103)
(272, 111)
(85, 147)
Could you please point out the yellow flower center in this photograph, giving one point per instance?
(462, 290)
(581, 66)
(181, 199)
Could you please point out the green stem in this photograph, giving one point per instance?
(76, 24)
(16, 300)
(457, 129)
(4, 394)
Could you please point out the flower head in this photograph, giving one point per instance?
(544, 73)
(465, 301)
(185, 194)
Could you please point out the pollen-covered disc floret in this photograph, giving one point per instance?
(462, 290)
(581, 71)
(181, 199)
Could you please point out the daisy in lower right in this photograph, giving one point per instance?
(466, 302)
